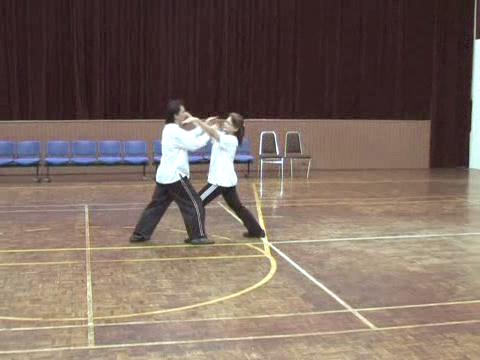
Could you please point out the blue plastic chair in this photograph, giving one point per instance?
(244, 154)
(7, 153)
(136, 153)
(57, 154)
(84, 152)
(198, 156)
(207, 155)
(157, 152)
(28, 154)
(110, 152)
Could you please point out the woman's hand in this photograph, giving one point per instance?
(211, 120)
(190, 120)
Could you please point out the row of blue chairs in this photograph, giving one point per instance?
(107, 152)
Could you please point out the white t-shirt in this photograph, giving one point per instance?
(176, 142)
(222, 170)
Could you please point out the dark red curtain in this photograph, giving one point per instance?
(478, 20)
(385, 59)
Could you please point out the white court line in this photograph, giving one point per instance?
(388, 237)
(356, 200)
(81, 205)
(281, 242)
(274, 204)
(235, 339)
(245, 317)
(416, 306)
(230, 212)
(323, 287)
(305, 273)
(91, 326)
(39, 229)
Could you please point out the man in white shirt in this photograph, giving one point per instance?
(173, 182)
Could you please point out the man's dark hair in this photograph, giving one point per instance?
(173, 108)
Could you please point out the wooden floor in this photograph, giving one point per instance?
(356, 265)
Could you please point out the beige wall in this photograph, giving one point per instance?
(334, 144)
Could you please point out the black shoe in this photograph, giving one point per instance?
(250, 235)
(201, 241)
(187, 241)
(137, 238)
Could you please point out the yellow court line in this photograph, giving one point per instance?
(370, 309)
(267, 278)
(235, 339)
(184, 232)
(91, 318)
(221, 237)
(134, 260)
(91, 325)
(105, 248)
(247, 317)
(303, 272)
(152, 322)
(181, 258)
(42, 263)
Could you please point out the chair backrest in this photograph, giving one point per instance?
(110, 148)
(157, 147)
(58, 148)
(245, 148)
(293, 143)
(202, 151)
(7, 149)
(268, 143)
(135, 148)
(28, 149)
(208, 148)
(84, 148)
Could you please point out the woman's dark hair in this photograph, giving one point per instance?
(173, 108)
(239, 124)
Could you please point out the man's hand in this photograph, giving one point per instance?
(190, 120)
(211, 120)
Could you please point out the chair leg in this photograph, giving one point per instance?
(308, 169)
(144, 172)
(48, 174)
(281, 181)
(281, 169)
(248, 169)
(261, 170)
(37, 174)
(291, 168)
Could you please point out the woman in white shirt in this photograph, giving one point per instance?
(173, 182)
(222, 178)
